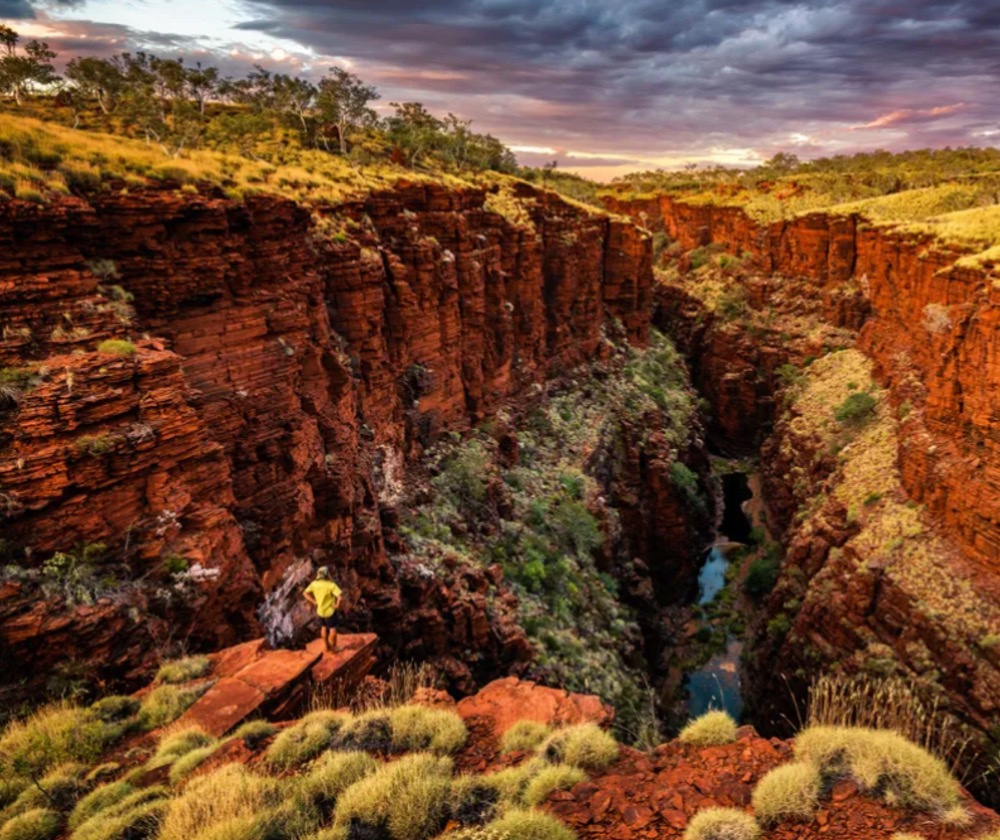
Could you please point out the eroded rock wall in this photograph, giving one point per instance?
(283, 375)
(929, 325)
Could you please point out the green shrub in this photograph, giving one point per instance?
(117, 347)
(855, 409)
(305, 740)
(585, 745)
(37, 824)
(183, 670)
(408, 798)
(686, 480)
(165, 703)
(422, 728)
(554, 777)
(529, 824)
(253, 733)
(330, 776)
(881, 760)
(722, 824)
(525, 735)
(711, 729)
(97, 800)
(790, 791)
(761, 577)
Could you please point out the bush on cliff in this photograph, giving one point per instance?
(711, 729)
(175, 744)
(53, 735)
(135, 817)
(855, 409)
(97, 800)
(117, 347)
(722, 824)
(330, 776)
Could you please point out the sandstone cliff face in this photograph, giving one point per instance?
(284, 375)
(930, 327)
(909, 590)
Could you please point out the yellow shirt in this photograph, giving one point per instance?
(326, 593)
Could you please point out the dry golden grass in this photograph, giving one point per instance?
(40, 160)
(868, 483)
(869, 702)
(228, 797)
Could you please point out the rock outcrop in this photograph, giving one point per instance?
(272, 378)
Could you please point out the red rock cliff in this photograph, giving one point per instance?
(930, 326)
(284, 375)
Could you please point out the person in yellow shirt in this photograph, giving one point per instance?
(324, 595)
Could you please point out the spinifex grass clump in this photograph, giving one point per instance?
(881, 761)
(711, 729)
(722, 824)
(585, 746)
(524, 735)
(306, 739)
(183, 670)
(407, 798)
(790, 791)
(54, 735)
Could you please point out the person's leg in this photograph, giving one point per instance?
(323, 635)
(332, 646)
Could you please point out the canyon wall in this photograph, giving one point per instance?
(902, 581)
(280, 376)
(929, 325)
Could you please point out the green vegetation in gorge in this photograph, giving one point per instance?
(543, 519)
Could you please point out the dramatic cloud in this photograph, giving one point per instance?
(613, 86)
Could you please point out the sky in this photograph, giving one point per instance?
(603, 86)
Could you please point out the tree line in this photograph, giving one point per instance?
(182, 106)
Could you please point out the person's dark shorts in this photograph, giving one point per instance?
(329, 622)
